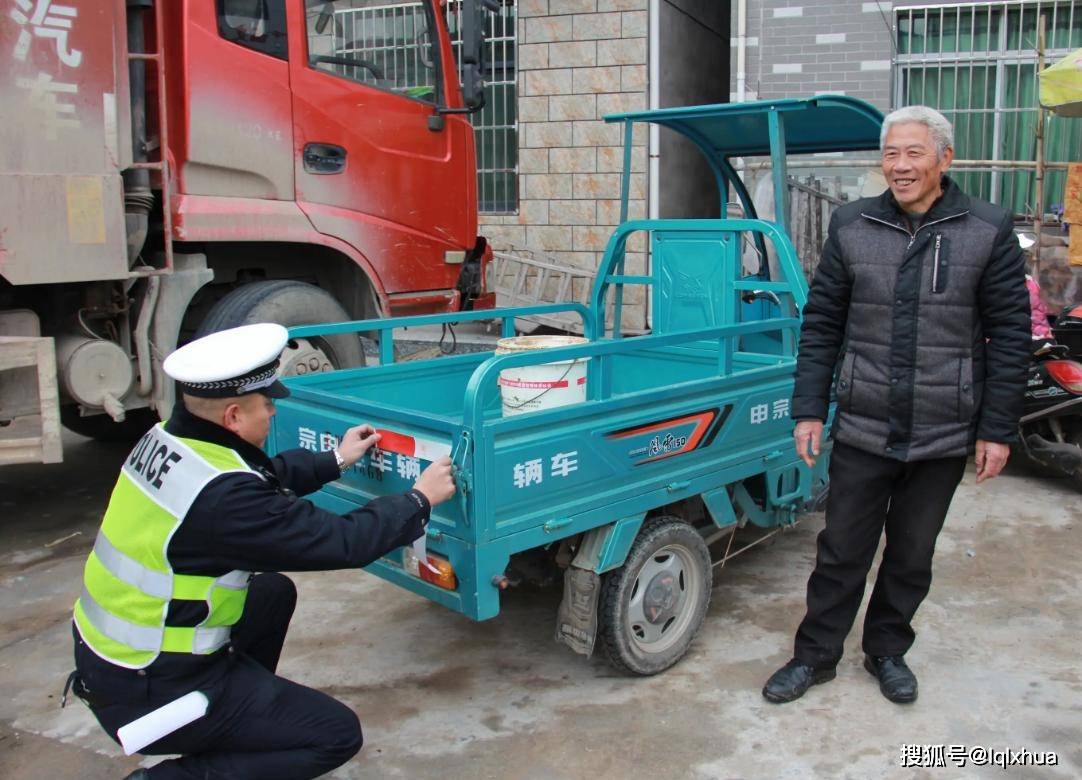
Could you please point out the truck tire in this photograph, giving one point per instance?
(650, 608)
(290, 303)
(101, 427)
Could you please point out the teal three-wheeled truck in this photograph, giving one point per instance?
(684, 436)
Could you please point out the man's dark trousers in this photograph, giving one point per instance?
(867, 493)
(259, 725)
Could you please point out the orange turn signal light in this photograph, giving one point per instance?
(439, 572)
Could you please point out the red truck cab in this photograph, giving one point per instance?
(319, 123)
(172, 167)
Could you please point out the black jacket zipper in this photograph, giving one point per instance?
(935, 263)
(913, 235)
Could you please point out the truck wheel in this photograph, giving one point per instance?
(651, 607)
(136, 422)
(290, 303)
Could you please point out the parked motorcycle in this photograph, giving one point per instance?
(1050, 431)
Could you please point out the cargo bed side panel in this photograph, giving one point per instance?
(635, 452)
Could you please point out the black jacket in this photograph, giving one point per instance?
(242, 521)
(934, 323)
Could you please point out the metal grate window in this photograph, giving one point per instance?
(496, 125)
(394, 40)
(977, 63)
(385, 45)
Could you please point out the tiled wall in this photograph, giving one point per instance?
(578, 61)
(797, 48)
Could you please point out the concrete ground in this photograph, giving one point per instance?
(441, 696)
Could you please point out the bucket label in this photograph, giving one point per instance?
(531, 385)
(542, 387)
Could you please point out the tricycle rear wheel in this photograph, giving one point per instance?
(651, 607)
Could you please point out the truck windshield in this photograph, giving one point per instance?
(387, 44)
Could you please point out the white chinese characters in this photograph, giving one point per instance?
(531, 472)
(45, 96)
(563, 463)
(777, 410)
(913, 755)
(306, 439)
(380, 460)
(327, 442)
(49, 99)
(377, 461)
(923, 755)
(528, 473)
(408, 467)
(46, 20)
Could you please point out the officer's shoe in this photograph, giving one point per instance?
(896, 681)
(793, 680)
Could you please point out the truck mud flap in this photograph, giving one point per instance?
(576, 620)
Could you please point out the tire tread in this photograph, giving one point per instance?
(609, 625)
(237, 306)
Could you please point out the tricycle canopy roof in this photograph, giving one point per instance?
(826, 123)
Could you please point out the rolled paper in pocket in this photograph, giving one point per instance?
(165, 720)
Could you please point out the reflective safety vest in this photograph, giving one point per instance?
(128, 581)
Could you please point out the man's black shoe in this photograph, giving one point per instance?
(896, 681)
(139, 774)
(793, 680)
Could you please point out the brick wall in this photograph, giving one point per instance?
(578, 60)
(798, 48)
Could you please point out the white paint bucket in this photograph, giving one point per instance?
(545, 386)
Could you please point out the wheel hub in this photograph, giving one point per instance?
(302, 357)
(661, 598)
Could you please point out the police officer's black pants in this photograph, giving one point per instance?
(867, 494)
(260, 725)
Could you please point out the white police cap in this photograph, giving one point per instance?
(231, 362)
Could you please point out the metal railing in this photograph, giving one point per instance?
(395, 38)
(496, 125)
(977, 63)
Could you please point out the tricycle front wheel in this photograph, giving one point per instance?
(651, 607)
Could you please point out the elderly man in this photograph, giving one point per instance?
(171, 627)
(919, 306)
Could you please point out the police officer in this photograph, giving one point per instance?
(169, 605)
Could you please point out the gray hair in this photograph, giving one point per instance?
(940, 129)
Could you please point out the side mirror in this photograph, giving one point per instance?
(473, 50)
